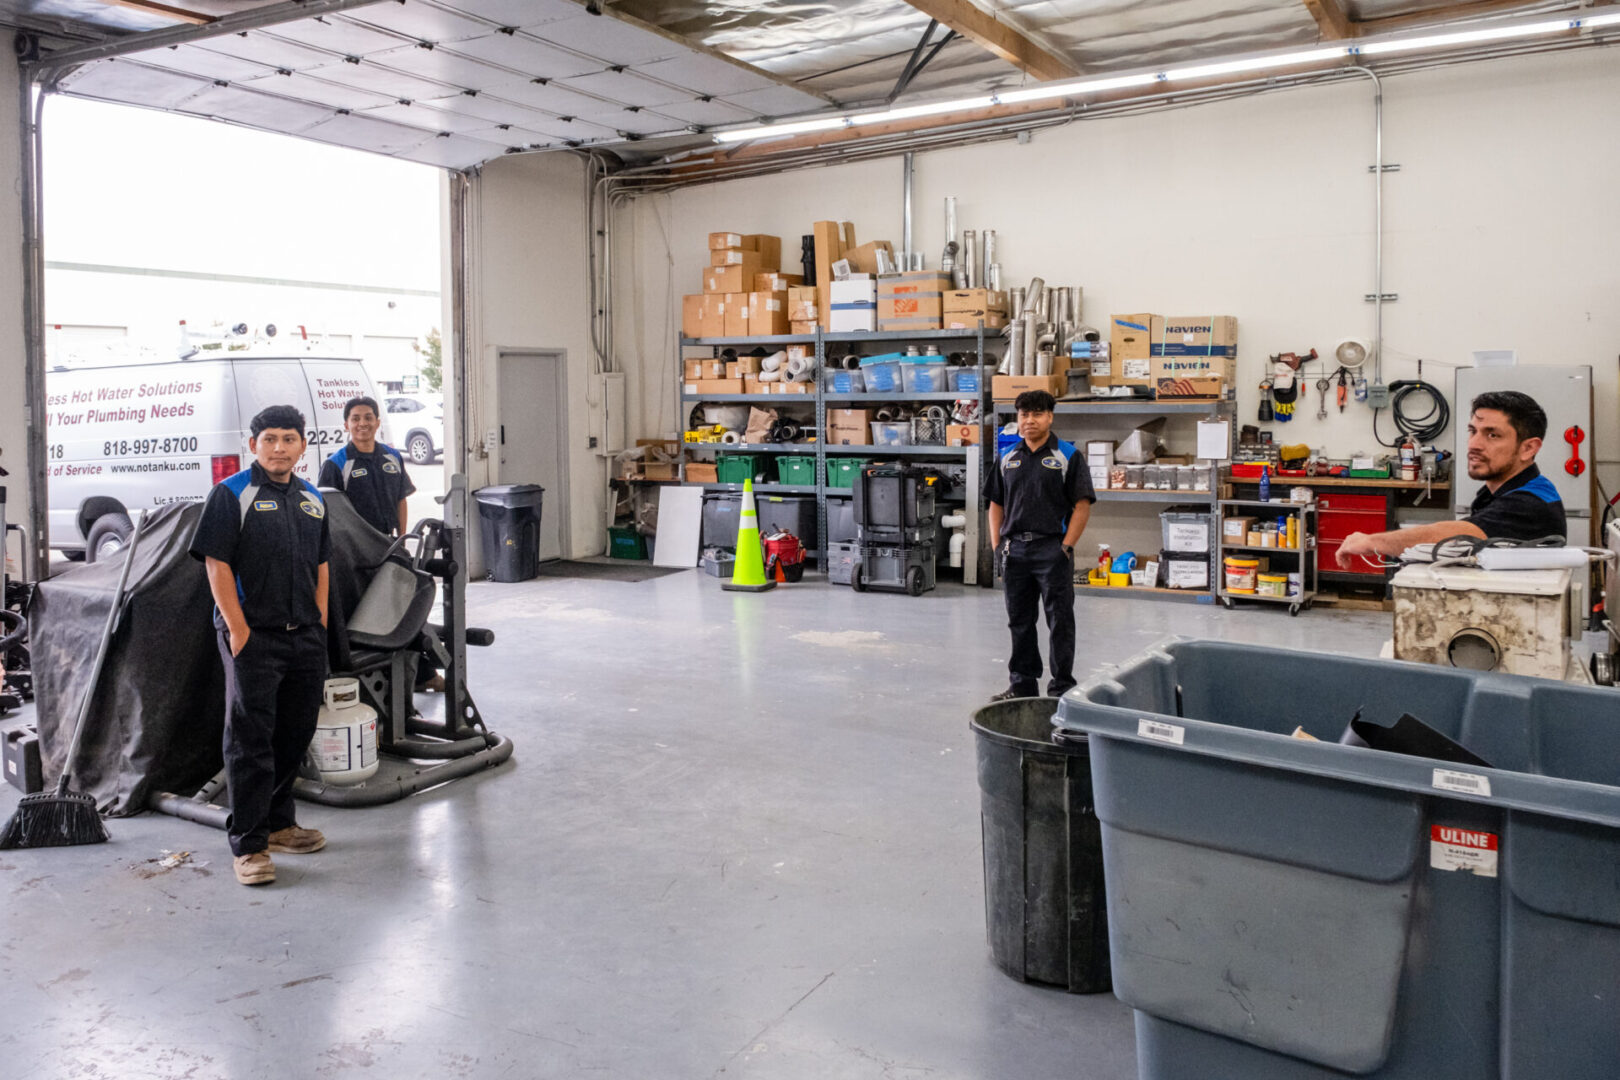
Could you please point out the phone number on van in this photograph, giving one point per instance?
(181, 445)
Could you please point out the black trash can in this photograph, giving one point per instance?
(1044, 905)
(509, 519)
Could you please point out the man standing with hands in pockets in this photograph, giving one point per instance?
(263, 537)
(1040, 499)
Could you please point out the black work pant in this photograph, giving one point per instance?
(272, 698)
(1039, 574)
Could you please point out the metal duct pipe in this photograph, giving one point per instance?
(970, 258)
(1013, 362)
(987, 256)
(1030, 337)
(950, 220)
(907, 173)
(1015, 301)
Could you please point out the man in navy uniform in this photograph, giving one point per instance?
(371, 473)
(263, 537)
(1505, 430)
(1040, 499)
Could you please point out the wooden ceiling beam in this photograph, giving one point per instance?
(1331, 21)
(152, 7)
(998, 37)
(1437, 16)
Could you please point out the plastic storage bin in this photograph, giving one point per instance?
(965, 380)
(841, 471)
(796, 469)
(1044, 906)
(625, 543)
(925, 375)
(842, 381)
(1280, 908)
(882, 373)
(509, 521)
(1186, 529)
(734, 468)
(891, 433)
(790, 513)
(841, 521)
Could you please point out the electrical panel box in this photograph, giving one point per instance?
(615, 423)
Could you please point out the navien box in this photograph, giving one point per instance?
(1194, 356)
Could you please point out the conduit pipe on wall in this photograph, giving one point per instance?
(1378, 219)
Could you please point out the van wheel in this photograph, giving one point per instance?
(421, 449)
(108, 536)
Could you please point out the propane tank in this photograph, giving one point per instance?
(344, 750)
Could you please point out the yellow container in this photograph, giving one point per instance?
(1272, 585)
(1119, 581)
(1241, 574)
(1293, 531)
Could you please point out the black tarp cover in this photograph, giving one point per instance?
(157, 718)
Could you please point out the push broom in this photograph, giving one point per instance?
(63, 818)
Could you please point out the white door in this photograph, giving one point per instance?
(532, 396)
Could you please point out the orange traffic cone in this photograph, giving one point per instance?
(748, 572)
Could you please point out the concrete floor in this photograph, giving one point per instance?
(739, 838)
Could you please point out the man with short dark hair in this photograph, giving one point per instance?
(371, 473)
(263, 538)
(1505, 430)
(1040, 497)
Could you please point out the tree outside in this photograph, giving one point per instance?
(432, 360)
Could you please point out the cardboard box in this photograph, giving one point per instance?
(692, 316)
(705, 369)
(1237, 528)
(800, 352)
(715, 386)
(979, 302)
(1099, 477)
(849, 427)
(803, 306)
(736, 314)
(736, 278)
(769, 248)
(853, 305)
(962, 435)
(719, 240)
(713, 322)
(702, 472)
(917, 296)
(776, 281)
(1194, 356)
(864, 259)
(829, 248)
(752, 385)
(1100, 452)
(767, 313)
(747, 365)
(795, 387)
(1008, 387)
(957, 320)
(797, 327)
(1130, 350)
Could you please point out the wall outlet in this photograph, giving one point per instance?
(492, 441)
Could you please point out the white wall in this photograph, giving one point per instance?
(528, 290)
(13, 406)
(1499, 228)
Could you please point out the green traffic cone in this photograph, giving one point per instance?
(748, 572)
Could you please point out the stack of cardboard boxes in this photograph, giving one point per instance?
(1176, 356)
(745, 293)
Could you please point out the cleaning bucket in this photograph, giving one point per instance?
(1242, 574)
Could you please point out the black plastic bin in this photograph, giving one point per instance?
(1044, 903)
(509, 518)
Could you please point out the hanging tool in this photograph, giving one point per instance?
(1322, 385)
(1574, 436)
(1294, 360)
(1285, 390)
(1344, 378)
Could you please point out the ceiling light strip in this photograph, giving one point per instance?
(1243, 65)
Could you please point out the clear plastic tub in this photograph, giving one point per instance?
(929, 378)
(892, 433)
(965, 380)
(882, 374)
(840, 381)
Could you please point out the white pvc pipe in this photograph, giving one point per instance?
(954, 521)
(958, 542)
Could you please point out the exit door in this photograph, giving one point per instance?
(532, 404)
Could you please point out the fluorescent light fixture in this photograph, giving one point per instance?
(825, 123)
(932, 109)
(1464, 37)
(1076, 89)
(1083, 87)
(1256, 63)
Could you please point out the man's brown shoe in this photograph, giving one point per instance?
(254, 869)
(296, 841)
(435, 685)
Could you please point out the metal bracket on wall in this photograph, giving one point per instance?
(1388, 298)
(1386, 168)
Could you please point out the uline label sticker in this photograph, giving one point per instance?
(1463, 783)
(1451, 848)
(1153, 729)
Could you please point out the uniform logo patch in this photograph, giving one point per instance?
(1011, 463)
(1052, 462)
(312, 507)
(357, 472)
(266, 504)
(390, 465)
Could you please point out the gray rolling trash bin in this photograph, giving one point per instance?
(1288, 909)
(1044, 907)
(509, 521)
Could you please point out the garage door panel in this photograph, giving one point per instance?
(128, 80)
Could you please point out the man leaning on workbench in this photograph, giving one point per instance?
(263, 537)
(1040, 496)
(1505, 430)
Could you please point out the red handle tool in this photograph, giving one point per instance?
(1574, 436)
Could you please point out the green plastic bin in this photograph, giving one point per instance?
(734, 468)
(796, 469)
(842, 471)
(625, 543)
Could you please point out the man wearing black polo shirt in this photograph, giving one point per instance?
(370, 473)
(263, 537)
(1040, 497)
(1505, 430)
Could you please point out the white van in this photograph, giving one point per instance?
(137, 436)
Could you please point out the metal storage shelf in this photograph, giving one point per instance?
(754, 448)
(847, 336)
(1122, 495)
(1310, 575)
(835, 399)
(1149, 592)
(1266, 550)
(763, 489)
(803, 399)
(846, 448)
(1126, 407)
(1276, 504)
(761, 339)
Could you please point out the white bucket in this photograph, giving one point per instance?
(344, 749)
